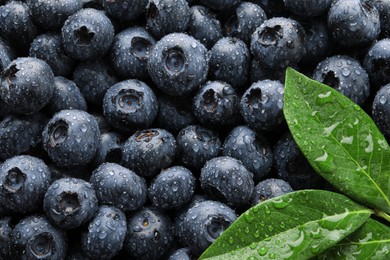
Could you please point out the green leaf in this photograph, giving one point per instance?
(297, 225)
(370, 241)
(339, 139)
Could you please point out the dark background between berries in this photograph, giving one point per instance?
(142, 129)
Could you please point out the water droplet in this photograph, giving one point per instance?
(262, 251)
(83, 128)
(345, 72)
(231, 240)
(279, 203)
(383, 99)
(346, 139)
(370, 144)
(328, 130)
(267, 210)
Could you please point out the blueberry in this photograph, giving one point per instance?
(383, 7)
(178, 64)
(162, 16)
(51, 15)
(227, 180)
(71, 138)
(35, 238)
(278, 43)
(269, 189)
(308, 8)
(125, 9)
(48, 47)
(20, 134)
(7, 53)
(204, 25)
(109, 149)
(262, 105)
(16, 25)
(118, 186)
(381, 109)
(130, 52)
(174, 113)
(377, 62)
(251, 148)
(204, 223)
(149, 151)
(70, 202)
(27, 84)
(172, 188)
(244, 21)
(196, 145)
(66, 95)
(94, 78)
(346, 75)
(273, 8)
(87, 34)
(229, 61)
(259, 72)
(24, 180)
(149, 234)
(106, 233)
(130, 105)
(181, 254)
(220, 5)
(292, 166)
(216, 105)
(5, 238)
(353, 22)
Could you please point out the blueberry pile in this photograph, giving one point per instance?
(141, 129)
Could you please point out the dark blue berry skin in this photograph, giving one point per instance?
(262, 105)
(167, 16)
(260, 72)
(149, 234)
(196, 145)
(94, 78)
(119, 187)
(70, 202)
(5, 238)
(87, 34)
(308, 8)
(269, 189)
(243, 22)
(205, 222)
(51, 15)
(278, 43)
(216, 105)
(273, 8)
(181, 254)
(204, 25)
(174, 113)
(353, 22)
(178, 64)
(7, 53)
(318, 42)
(66, 95)
(377, 62)
(172, 188)
(381, 110)
(227, 180)
(220, 5)
(383, 7)
(229, 61)
(71, 138)
(20, 134)
(130, 51)
(109, 149)
(149, 151)
(48, 47)
(346, 75)
(125, 10)
(34, 237)
(16, 25)
(252, 149)
(106, 233)
(292, 166)
(27, 85)
(24, 180)
(130, 105)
